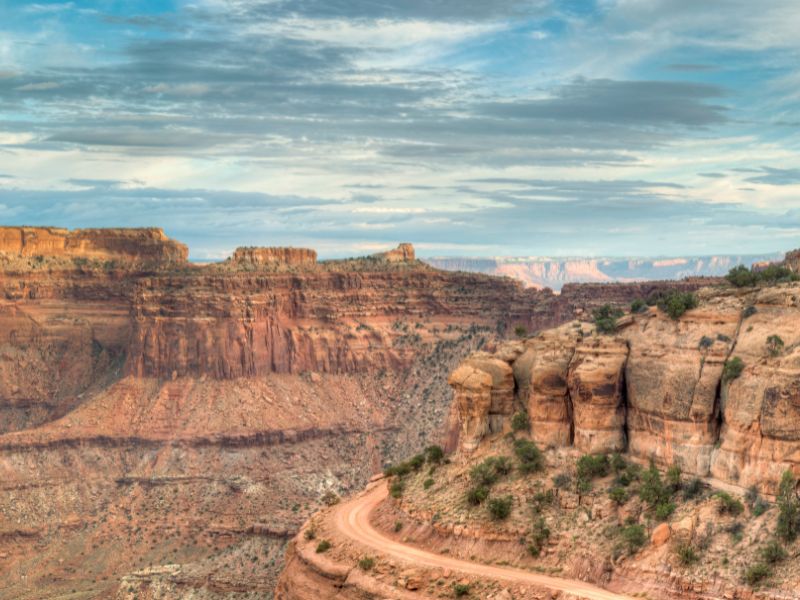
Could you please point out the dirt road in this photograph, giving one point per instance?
(352, 519)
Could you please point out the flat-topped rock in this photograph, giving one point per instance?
(274, 256)
(134, 245)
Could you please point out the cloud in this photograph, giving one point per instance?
(39, 87)
(773, 176)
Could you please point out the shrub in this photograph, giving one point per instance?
(617, 463)
(788, 525)
(674, 478)
(638, 306)
(330, 498)
(460, 589)
(741, 276)
(605, 318)
(675, 303)
(755, 574)
(434, 454)
(705, 342)
(398, 525)
(652, 490)
(693, 489)
(542, 499)
(629, 475)
(687, 555)
(562, 481)
(749, 311)
(759, 508)
(540, 533)
(728, 505)
(427, 483)
(416, 461)
(477, 495)
(633, 537)
(366, 563)
(323, 546)
(521, 331)
(618, 494)
(751, 496)
(773, 553)
(664, 510)
(500, 508)
(591, 466)
(774, 345)
(530, 457)
(310, 534)
(487, 473)
(396, 489)
(733, 368)
(775, 273)
(520, 422)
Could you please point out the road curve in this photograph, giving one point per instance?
(352, 520)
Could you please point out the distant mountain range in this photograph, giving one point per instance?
(540, 272)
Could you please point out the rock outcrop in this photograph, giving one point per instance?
(658, 390)
(403, 253)
(251, 255)
(135, 246)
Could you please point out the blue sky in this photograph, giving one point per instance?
(598, 128)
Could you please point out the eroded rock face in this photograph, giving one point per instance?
(472, 398)
(274, 256)
(656, 388)
(403, 253)
(597, 389)
(127, 245)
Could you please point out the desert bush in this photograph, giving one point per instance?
(520, 422)
(323, 546)
(664, 510)
(788, 525)
(562, 480)
(330, 498)
(529, 456)
(693, 489)
(521, 331)
(675, 303)
(592, 466)
(618, 494)
(633, 537)
(686, 553)
(674, 478)
(728, 505)
(774, 345)
(490, 470)
(540, 533)
(651, 488)
(705, 342)
(605, 318)
(500, 508)
(638, 306)
(434, 454)
(542, 499)
(733, 369)
(460, 589)
(427, 483)
(749, 311)
(617, 463)
(396, 489)
(756, 573)
(366, 563)
(741, 276)
(477, 494)
(773, 553)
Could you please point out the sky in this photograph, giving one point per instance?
(468, 127)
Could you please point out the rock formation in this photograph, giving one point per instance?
(274, 256)
(403, 253)
(656, 388)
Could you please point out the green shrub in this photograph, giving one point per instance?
(562, 481)
(774, 345)
(788, 525)
(398, 525)
(540, 533)
(759, 508)
(651, 489)
(618, 494)
(617, 463)
(638, 306)
(460, 589)
(749, 311)
(674, 478)
(323, 546)
(521, 331)
(775, 273)
(756, 573)
(477, 495)
(733, 369)
(366, 563)
(397, 488)
(741, 276)
(675, 303)
(434, 454)
(633, 537)
(500, 508)
(427, 483)
(605, 318)
(416, 461)
(687, 555)
(693, 489)
(529, 456)
(773, 553)
(592, 466)
(705, 342)
(664, 510)
(520, 422)
(490, 470)
(728, 505)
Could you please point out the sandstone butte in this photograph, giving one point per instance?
(166, 427)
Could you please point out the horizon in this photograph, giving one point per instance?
(556, 128)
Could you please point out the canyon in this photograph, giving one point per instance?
(709, 393)
(167, 427)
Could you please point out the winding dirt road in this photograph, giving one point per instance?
(352, 520)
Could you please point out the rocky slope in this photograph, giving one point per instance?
(196, 415)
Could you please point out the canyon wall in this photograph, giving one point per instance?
(657, 388)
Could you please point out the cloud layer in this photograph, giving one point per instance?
(579, 127)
